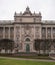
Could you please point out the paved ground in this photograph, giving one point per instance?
(29, 59)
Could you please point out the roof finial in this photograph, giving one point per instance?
(34, 12)
(27, 9)
(20, 13)
(15, 13)
(39, 13)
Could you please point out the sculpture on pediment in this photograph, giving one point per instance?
(27, 11)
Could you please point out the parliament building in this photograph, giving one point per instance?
(25, 29)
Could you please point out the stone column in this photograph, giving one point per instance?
(46, 32)
(3, 32)
(40, 33)
(15, 45)
(14, 33)
(9, 33)
(51, 32)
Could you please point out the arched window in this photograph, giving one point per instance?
(27, 39)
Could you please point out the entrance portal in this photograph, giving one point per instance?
(27, 48)
(27, 41)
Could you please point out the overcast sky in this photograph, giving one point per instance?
(8, 7)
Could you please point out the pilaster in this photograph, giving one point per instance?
(34, 31)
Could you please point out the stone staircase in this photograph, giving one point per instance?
(26, 54)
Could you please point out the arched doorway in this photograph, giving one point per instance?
(27, 41)
(27, 48)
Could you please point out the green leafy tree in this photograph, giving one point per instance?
(7, 44)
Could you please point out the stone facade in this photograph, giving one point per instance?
(25, 28)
